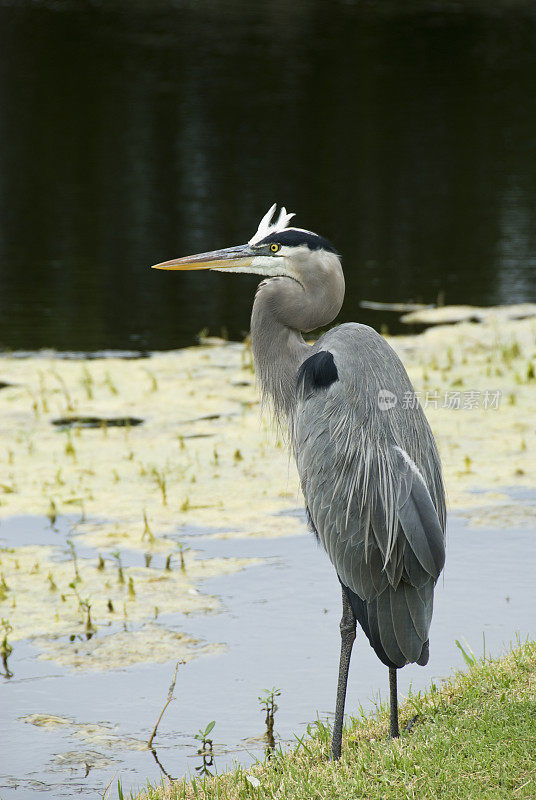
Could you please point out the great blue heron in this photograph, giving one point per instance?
(367, 460)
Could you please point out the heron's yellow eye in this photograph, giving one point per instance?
(274, 248)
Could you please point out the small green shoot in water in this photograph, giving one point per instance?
(101, 564)
(8, 488)
(206, 749)
(160, 480)
(152, 378)
(74, 558)
(63, 386)
(182, 550)
(510, 351)
(147, 532)
(69, 447)
(120, 575)
(35, 404)
(110, 384)
(269, 706)
(87, 382)
(5, 648)
(52, 512)
(148, 558)
(185, 505)
(110, 606)
(238, 456)
(131, 590)
(52, 583)
(168, 562)
(85, 605)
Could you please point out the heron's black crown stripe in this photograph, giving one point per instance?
(295, 238)
(317, 372)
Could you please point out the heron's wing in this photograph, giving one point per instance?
(370, 505)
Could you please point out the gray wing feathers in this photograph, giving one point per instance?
(420, 606)
(367, 555)
(422, 529)
(373, 488)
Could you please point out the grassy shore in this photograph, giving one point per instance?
(473, 737)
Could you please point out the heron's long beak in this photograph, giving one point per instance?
(240, 256)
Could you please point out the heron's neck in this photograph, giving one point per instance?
(283, 308)
(278, 351)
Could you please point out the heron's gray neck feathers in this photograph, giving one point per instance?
(283, 308)
(278, 352)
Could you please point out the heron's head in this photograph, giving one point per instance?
(276, 250)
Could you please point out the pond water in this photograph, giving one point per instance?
(134, 132)
(280, 627)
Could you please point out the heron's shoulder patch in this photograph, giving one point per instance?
(317, 372)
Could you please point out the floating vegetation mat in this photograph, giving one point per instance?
(145, 452)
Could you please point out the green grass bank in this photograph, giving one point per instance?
(473, 737)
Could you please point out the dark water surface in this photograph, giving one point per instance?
(133, 132)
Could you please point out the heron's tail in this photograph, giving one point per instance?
(396, 622)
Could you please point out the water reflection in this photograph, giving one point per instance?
(135, 132)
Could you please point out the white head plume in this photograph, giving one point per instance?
(266, 226)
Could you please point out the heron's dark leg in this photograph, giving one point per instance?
(393, 718)
(348, 625)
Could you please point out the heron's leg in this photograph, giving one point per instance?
(348, 625)
(393, 717)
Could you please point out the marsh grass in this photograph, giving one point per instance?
(475, 737)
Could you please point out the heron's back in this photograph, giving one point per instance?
(371, 478)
